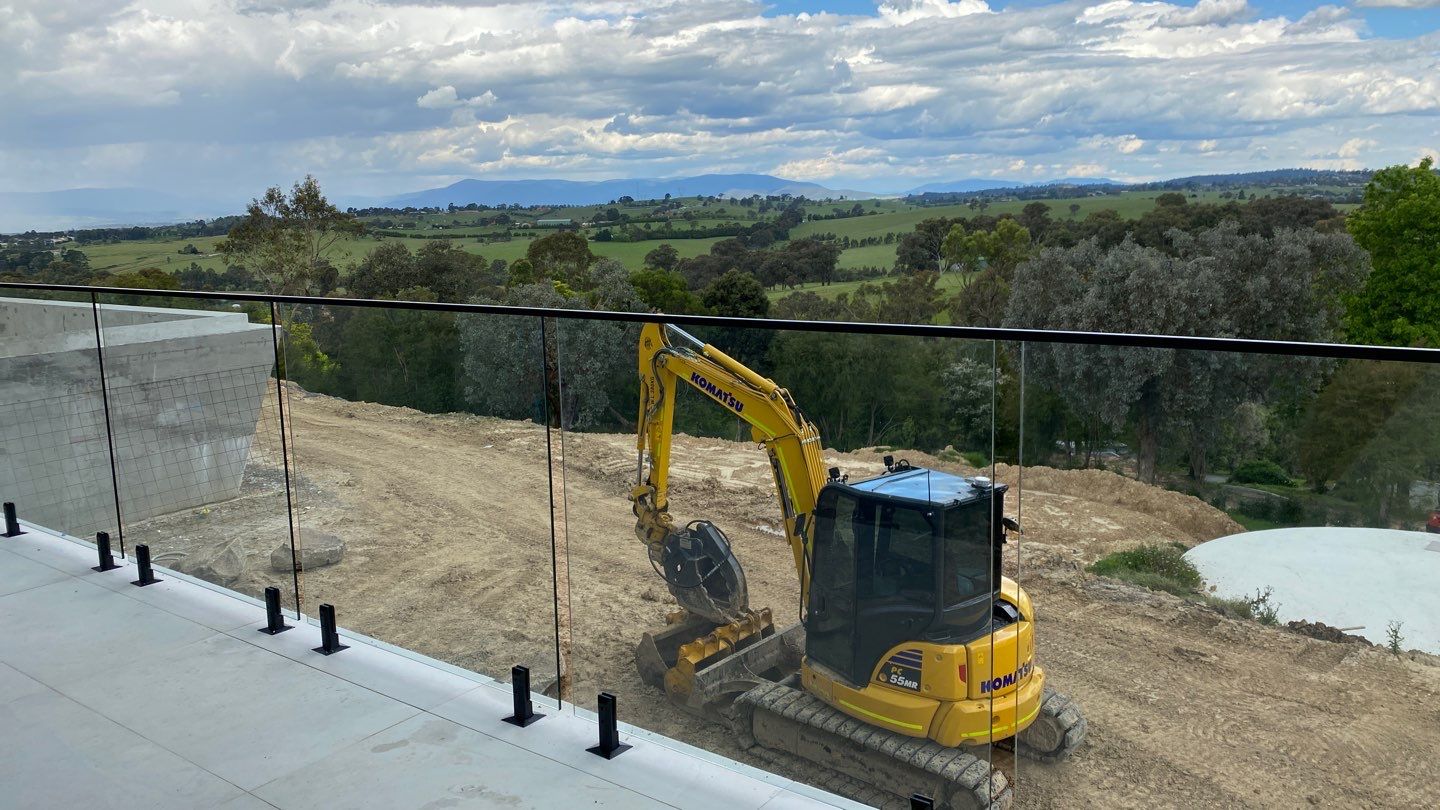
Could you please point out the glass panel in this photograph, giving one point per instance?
(852, 402)
(1237, 517)
(54, 453)
(197, 438)
(421, 481)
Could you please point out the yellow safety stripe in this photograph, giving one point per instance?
(1002, 729)
(882, 718)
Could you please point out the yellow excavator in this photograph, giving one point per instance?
(913, 652)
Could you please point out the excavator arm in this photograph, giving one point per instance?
(668, 356)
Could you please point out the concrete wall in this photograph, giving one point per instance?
(185, 390)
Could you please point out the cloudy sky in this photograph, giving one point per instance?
(215, 96)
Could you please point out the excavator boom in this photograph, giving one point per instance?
(669, 356)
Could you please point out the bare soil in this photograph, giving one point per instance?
(447, 523)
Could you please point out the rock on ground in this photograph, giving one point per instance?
(317, 550)
(222, 564)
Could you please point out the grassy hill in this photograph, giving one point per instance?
(892, 216)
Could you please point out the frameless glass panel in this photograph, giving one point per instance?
(54, 449)
(421, 481)
(1228, 534)
(191, 391)
(685, 483)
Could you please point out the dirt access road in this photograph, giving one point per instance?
(449, 553)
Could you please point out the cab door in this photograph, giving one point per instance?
(830, 614)
(873, 580)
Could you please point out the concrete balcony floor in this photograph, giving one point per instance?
(166, 696)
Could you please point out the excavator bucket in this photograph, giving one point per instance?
(703, 666)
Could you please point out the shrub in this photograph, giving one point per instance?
(1260, 472)
(1262, 609)
(1279, 511)
(1158, 567)
(1291, 512)
(1234, 608)
(976, 459)
(1394, 641)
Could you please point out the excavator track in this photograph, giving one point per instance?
(1057, 731)
(777, 719)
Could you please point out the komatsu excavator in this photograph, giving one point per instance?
(913, 651)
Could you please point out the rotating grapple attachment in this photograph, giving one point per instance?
(702, 572)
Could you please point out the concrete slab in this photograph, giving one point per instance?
(22, 574)
(246, 801)
(363, 665)
(182, 596)
(238, 711)
(663, 771)
(56, 753)
(116, 696)
(15, 684)
(73, 630)
(430, 762)
(71, 557)
(1344, 577)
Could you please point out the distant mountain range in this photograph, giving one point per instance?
(989, 184)
(109, 207)
(592, 192)
(101, 207)
(577, 192)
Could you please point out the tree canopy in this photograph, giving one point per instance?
(285, 240)
(1399, 224)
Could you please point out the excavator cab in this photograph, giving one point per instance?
(911, 555)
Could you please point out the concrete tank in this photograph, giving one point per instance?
(185, 390)
(1345, 577)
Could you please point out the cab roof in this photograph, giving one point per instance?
(929, 486)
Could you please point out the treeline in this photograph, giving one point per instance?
(1351, 437)
(134, 233)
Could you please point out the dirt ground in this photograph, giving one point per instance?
(449, 552)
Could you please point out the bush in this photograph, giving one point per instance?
(1279, 511)
(976, 459)
(1262, 609)
(1260, 472)
(1158, 567)
(1234, 608)
(1394, 640)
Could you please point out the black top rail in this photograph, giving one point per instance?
(1342, 351)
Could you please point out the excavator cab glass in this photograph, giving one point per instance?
(911, 555)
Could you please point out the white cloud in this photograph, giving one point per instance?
(445, 98)
(1353, 147)
(371, 94)
(1124, 144)
(440, 98)
(1398, 3)
(1206, 12)
(904, 12)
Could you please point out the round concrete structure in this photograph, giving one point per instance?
(1344, 577)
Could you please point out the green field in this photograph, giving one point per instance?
(121, 257)
(949, 283)
(895, 216)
